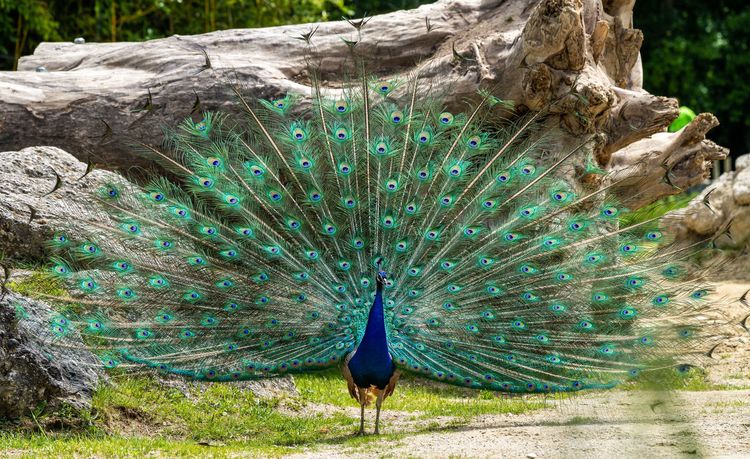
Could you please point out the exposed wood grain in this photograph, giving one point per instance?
(579, 57)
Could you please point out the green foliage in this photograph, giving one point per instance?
(686, 116)
(22, 24)
(25, 23)
(699, 52)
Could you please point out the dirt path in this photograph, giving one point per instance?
(612, 424)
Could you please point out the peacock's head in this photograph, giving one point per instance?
(381, 276)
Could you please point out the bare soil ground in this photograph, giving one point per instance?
(613, 424)
(710, 423)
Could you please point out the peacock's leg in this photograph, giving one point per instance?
(361, 419)
(362, 399)
(378, 403)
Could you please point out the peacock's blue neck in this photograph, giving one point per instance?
(374, 342)
(371, 364)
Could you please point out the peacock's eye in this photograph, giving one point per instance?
(341, 106)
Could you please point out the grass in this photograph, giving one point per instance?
(730, 404)
(139, 416)
(695, 380)
(77, 445)
(36, 284)
(415, 395)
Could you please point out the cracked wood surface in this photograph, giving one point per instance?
(577, 58)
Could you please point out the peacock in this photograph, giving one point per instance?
(378, 229)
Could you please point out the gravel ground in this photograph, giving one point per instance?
(613, 424)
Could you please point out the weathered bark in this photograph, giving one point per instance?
(721, 212)
(577, 57)
(665, 163)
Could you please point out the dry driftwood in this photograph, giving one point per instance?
(578, 58)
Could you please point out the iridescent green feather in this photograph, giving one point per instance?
(260, 258)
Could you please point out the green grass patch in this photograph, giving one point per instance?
(412, 394)
(670, 379)
(729, 404)
(38, 284)
(217, 412)
(85, 445)
(139, 416)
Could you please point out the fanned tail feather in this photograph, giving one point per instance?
(261, 260)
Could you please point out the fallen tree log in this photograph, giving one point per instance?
(577, 58)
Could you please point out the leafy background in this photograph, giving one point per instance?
(694, 50)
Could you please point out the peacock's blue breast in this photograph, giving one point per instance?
(371, 367)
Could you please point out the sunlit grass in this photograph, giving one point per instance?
(695, 380)
(37, 284)
(219, 412)
(417, 395)
(138, 416)
(85, 445)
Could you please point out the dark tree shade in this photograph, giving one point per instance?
(25, 23)
(698, 52)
